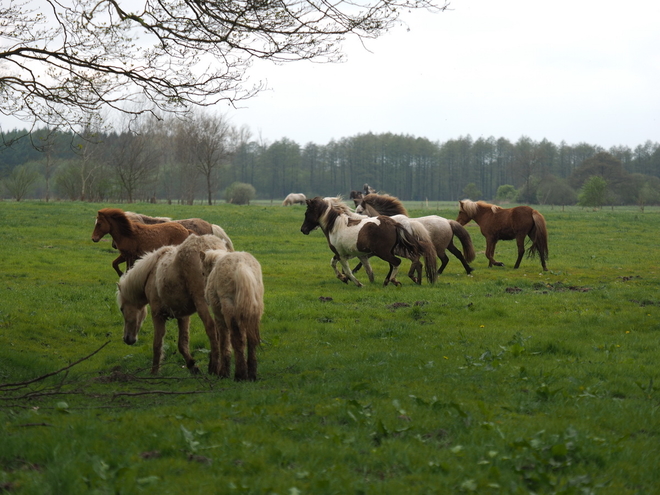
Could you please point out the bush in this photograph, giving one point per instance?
(240, 193)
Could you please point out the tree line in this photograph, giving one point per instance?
(202, 157)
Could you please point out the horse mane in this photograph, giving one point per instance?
(123, 223)
(385, 204)
(131, 284)
(337, 204)
(493, 208)
(146, 219)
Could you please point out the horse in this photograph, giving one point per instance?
(135, 239)
(196, 225)
(349, 237)
(294, 199)
(235, 293)
(441, 230)
(505, 224)
(413, 228)
(171, 282)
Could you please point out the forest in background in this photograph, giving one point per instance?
(204, 158)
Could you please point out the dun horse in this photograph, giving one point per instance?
(135, 239)
(171, 282)
(505, 224)
(235, 293)
(294, 199)
(441, 230)
(350, 237)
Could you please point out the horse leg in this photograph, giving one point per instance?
(238, 344)
(215, 367)
(225, 346)
(444, 259)
(520, 241)
(184, 344)
(159, 335)
(391, 276)
(364, 261)
(416, 268)
(349, 273)
(490, 253)
(115, 264)
(341, 276)
(457, 252)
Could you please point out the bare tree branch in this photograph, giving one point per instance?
(63, 62)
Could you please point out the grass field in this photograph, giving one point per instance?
(507, 381)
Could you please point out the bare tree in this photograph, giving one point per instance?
(64, 60)
(135, 159)
(209, 139)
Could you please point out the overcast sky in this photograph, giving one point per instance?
(566, 70)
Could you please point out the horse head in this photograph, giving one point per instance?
(101, 227)
(134, 315)
(316, 207)
(466, 211)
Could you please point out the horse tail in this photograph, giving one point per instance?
(466, 241)
(249, 299)
(416, 245)
(540, 237)
(219, 232)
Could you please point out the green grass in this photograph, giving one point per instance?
(508, 381)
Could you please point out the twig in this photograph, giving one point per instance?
(156, 392)
(43, 377)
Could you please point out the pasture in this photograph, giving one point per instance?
(507, 381)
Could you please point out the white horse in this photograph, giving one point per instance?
(171, 282)
(235, 293)
(294, 199)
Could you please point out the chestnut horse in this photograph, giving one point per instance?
(171, 282)
(196, 225)
(362, 237)
(135, 239)
(505, 224)
(441, 230)
(235, 293)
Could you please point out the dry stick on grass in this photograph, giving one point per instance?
(15, 386)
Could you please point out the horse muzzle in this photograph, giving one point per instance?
(130, 339)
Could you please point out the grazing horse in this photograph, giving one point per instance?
(294, 199)
(135, 239)
(235, 293)
(441, 230)
(171, 282)
(350, 237)
(505, 224)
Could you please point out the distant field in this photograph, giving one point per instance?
(507, 381)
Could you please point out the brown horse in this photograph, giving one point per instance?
(362, 237)
(235, 293)
(196, 225)
(135, 239)
(441, 230)
(505, 224)
(170, 280)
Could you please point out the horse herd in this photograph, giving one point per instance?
(182, 267)
(380, 226)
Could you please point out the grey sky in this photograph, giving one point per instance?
(574, 71)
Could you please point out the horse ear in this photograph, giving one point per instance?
(202, 256)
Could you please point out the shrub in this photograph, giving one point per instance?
(240, 193)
